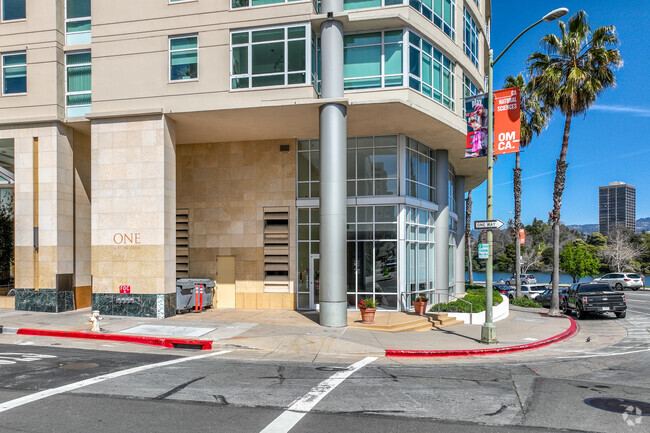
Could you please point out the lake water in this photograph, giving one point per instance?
(542, 277)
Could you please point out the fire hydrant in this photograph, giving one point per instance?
(94, 319)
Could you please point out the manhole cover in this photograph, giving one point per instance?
(332, 368)
(79, 366)
(620, 405)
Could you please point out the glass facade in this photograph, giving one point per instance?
(14, 73)
(77, 22)
(469, 89)
(248, 3)
(273, 56)
(183, 58)
(13, 10)
(430, 72)
(470, 42)
(442, 13)
(78, 78)
(375, 266)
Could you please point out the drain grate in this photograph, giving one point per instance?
(620, 405)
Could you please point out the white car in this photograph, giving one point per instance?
(531, 291)
(622, 280)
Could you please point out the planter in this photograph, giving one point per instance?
(368, 315)
(420, 307)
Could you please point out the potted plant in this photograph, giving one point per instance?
(420, 305)
(367, 306)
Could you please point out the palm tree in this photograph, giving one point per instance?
(534, 119)
(576, 67)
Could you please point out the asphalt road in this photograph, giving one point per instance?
(55, 389)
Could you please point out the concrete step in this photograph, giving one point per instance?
(410, 322)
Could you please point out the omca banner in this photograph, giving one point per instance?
(507, 117)
(477, 126)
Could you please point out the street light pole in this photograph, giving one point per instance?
(489, 331)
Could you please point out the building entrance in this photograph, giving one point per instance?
(314, 281)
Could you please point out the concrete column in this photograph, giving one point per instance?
(134, 216)
(333, 134)
(44, 209)
(460, 236)
(441, 273)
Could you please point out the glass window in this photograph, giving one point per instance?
(373, 60)
(78, 78)
(270, 57)
(442, 13)
(430, 72)
(13, 10)
(470, 42)
(419, 170)
(183, 58)
(419, 250)
(451, 189)
(469, 89)
(247, 3)
(77, 22)
(14, 73)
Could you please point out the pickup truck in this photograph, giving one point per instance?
(594, 298)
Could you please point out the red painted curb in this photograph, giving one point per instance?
(570, 332)
(153, 341)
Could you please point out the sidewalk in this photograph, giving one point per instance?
(275, 332)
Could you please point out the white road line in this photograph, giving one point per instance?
(299, 408)
(72, 386)
(638, 312)
(604, 354)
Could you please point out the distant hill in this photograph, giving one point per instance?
(641, 224)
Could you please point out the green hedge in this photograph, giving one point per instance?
(475, 296)
(525, 302)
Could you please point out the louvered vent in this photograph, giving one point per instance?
(182, 243)
(276, 248)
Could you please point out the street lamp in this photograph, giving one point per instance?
(489, 331)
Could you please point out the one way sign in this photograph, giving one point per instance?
(488, 224)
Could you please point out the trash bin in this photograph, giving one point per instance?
(185, 293)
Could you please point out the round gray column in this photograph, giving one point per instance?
(459, 287)
(333, 174)
(441, 272)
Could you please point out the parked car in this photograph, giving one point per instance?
(525, 279)
(544, 299)
(504, 289)
(594, 297)
(622, 280)
(531, 291)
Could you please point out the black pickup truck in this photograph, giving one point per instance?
(594, 298)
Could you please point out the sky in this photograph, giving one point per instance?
(605, 145)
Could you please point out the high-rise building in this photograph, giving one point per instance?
(279, 147)
(616, 207)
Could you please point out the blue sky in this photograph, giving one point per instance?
(606, 145)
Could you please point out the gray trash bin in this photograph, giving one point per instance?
(185, 296)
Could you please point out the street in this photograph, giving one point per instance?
(59, 389)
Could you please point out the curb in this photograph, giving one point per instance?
(570, 332)
(173, 343)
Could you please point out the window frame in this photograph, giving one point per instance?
(2, 65)
(72, 20)
(82, 92)
(435, 51)
(2, 13)
(169, 57)
(249, 75)
(469, 24)
(283, 2)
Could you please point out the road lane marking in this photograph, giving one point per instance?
(72, 386)
(638, 312)
(604, 354)
(300, 407)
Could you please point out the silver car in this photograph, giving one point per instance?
(525, 279)
(622, 280)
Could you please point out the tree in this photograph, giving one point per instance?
(577, 261)
(597, 239)
(576, 67)
(620, 251)
(534, 118)
(468, 234)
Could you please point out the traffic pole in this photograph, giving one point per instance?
(201, 297)
(196, 298)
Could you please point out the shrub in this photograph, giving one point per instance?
(473, 287)
(525, 302)
(474, 296)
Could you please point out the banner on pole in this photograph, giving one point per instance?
(507, 118)
(477, 126)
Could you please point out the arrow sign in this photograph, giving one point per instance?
(488, 224)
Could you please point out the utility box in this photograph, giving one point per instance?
(187, 296)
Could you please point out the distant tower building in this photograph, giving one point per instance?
(616, 207)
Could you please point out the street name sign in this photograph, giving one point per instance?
(488, 224)
(483, 251)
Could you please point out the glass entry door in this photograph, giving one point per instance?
(314, 281)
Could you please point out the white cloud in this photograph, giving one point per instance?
(636, 111)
